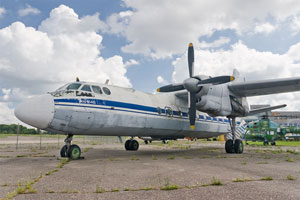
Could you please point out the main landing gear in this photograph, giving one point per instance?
(70, 151)
(234, 145)
(131, 145)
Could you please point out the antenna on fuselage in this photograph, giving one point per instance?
(77, 79)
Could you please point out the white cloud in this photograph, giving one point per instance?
(161, 80)
(62, 48)
(29, 10)
(162, 29)
(7, 114)
(217, 43)
(252, 64)
(265, 28)
(2, 11)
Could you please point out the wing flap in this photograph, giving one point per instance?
(265, 87)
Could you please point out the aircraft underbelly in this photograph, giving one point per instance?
(116, 123)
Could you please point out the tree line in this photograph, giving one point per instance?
(12, 129)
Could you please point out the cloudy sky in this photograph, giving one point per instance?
(142, 44)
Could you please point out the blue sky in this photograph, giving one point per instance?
(142, 44)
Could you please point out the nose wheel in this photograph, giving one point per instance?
(234, 145)
(69, 150)
(131, 145)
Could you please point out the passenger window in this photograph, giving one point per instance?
(86, 88)
(97, 89)
(106, 90)
(73, 86)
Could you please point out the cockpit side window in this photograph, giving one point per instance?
(96, 89)
(106, 90)
(73, 86)
(86, 88)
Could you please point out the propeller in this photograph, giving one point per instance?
(193, 85)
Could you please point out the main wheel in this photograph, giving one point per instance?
(74, 152)
(266, 143)
(238, 146)
(229, 146)
(127, 145)
(146, 141)
(63, 151)
(273, 143)
(134, 145)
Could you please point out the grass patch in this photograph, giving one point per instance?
(291, 178)
(241, 180)
(171, 157)
(134, 158)
(215, 181)
(267, 178)
(5, 185)
(263, 162)
(221, 156)
(187, 157)
(62, 162)
(50, 191)
(86, 149)
(50, 172)
(70, 191)
(154, 157)
(244, 163)
(99, 189)
(169, 186)
(115, 190)
(291, 151)
(290, 160)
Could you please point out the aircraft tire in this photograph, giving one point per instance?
(63, 151)
(229, 146)
(146, 141)
(127, 145)
(273, 143)
(134, 145)
(74, 152)
(238, 146)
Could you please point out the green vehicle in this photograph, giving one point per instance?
(264, 130)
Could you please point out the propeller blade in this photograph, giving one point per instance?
(171, 88)
(191, 59)
(216, 80)
(192, 109)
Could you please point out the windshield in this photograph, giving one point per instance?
(73, 89)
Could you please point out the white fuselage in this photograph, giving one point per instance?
(127, 112)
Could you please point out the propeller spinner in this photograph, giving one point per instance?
(193, 85)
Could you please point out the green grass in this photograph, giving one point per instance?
(99, 189)
(215, 181)
(278, 143)
(134, 158)
(242, 180)
(291, 151)
(154, 157)
(171, 157)
(267, 178)
(290, 160)
(291, 178)
(115, 190)
(169, 186)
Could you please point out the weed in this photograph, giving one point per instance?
(187, 157)
(242, 180)
(50, 191)
(263, 162)
(86, 149)
(221, 156)
(215, 181)
(171, 157)
(5, 184)
(115, 190)
(168, 186)
(291, 151)
(267, 178)
(11, 195)
(99, 189)
(154, 157)
(134, 158)
(21, 156)
(244, 163)
(126, 189)
(49, 173)
(290, 160)
(291, 178)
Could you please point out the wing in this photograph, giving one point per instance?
(272, 86)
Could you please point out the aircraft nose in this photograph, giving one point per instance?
(37, 111)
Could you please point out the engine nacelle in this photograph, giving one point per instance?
(214, 100)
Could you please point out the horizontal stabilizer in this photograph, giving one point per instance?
(266, 109)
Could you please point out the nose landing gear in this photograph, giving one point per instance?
(234, 145)
(69, 150)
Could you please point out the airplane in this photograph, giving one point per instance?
(200, 107)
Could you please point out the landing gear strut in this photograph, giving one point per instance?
(234, 145)
(131, 145)
(69, 150)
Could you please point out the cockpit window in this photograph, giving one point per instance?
(86, 88)
(97, 89)
(106, 90)
(73, 86)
